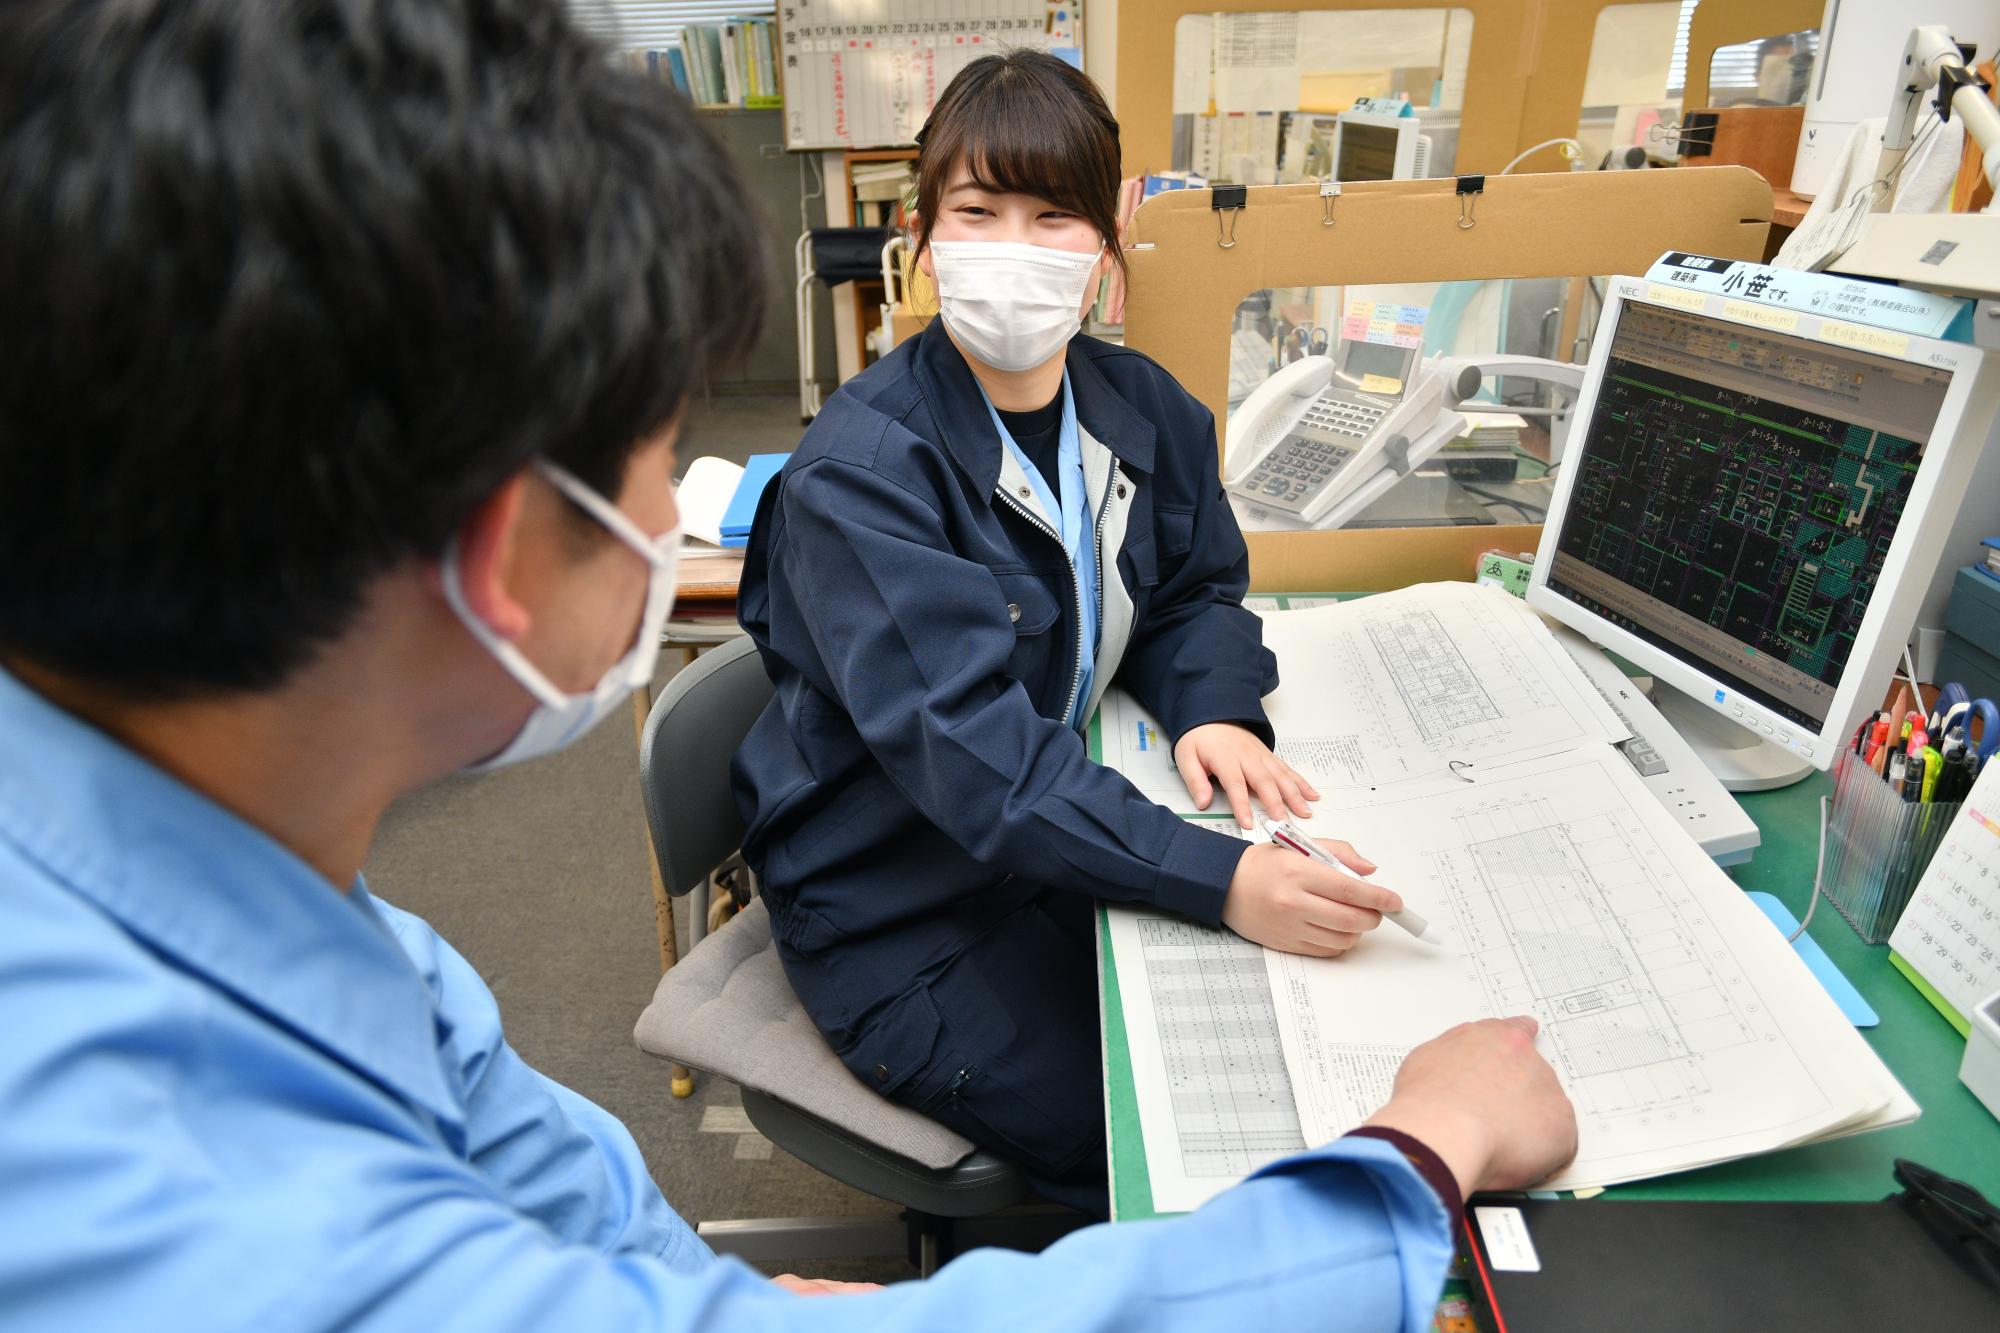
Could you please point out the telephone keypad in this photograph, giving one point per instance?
(1331, 432)
(1295, 469)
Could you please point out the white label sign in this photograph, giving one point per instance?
(1508, 1246)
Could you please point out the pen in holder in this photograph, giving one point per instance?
(1877, 846)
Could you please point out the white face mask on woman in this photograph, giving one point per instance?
(561, 718)
(1010, 304)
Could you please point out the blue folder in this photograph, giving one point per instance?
(757, 474)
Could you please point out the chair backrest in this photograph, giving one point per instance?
(695, 726)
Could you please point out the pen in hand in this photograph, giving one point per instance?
(1287, 834)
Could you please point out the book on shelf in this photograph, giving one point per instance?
(697, 68)
(732, 72)
(882, 181)
(733, 63)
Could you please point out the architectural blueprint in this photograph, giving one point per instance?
(1462, 749)
(1423, 685)
(1683, 1028)
(1126, 737)
(1215, 1100)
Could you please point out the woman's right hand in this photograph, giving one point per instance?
(1295, 904)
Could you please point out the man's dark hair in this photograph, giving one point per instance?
(288, 286)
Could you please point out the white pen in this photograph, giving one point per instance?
(1287, 834)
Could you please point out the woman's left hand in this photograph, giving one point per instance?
(1242, 766)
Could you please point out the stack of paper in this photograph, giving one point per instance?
(1456, 744)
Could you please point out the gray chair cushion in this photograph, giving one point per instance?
(728, 1009)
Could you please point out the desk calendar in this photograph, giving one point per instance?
(1948, 940)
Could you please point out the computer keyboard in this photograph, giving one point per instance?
(1664, 762)
(1638, 751)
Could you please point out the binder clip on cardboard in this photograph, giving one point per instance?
(1469, 190)
(1329, 190)
(1227, 201)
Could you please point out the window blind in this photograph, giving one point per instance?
(1677, 72)
(652, 25)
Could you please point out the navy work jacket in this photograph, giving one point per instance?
(912, 784)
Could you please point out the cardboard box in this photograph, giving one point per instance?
(1185, 288)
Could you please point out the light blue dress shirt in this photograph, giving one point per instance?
(232, 1098)
(1079, 534)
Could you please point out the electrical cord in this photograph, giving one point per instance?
(1533, 513)
(1888, 183)
(1575, 152)
(1819, 869)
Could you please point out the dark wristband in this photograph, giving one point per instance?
(1429, 1165)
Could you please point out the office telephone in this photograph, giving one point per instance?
(1321, 440)
(1321, 430)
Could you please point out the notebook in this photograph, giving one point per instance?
(742, 511)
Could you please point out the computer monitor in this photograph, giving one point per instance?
(1753, 513)
(1376, 146)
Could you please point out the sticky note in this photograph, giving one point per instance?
(1769, 317)
(1860, 335)
(1680, 296)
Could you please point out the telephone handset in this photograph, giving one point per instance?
(1318, 429)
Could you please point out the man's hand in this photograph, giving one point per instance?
(1242, 766)
(1294, 904)
(1485, 1101)
(819, 1286)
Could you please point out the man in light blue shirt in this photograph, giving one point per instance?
(346, 343)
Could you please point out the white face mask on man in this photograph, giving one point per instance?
(1010, 304)
(561, 718)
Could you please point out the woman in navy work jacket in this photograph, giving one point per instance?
(972, 541)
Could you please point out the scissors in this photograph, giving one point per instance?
(1962, 762)
(1304, 341)
(1950, 698)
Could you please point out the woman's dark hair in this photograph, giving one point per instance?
(288, 286)
(1023, 123)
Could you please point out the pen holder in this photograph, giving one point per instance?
(1877, 847)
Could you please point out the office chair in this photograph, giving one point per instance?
(727, 1008)
(832, 255)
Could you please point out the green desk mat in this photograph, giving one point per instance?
(1955, 1134)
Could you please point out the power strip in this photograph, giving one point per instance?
(1665, 762)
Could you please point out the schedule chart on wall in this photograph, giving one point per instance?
(865, 73)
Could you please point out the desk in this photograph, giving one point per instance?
(1955, 1134)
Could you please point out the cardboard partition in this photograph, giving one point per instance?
(1185, 287)
(1762, 138)
(1502, 56)
(1718, 23)
(1552, 91)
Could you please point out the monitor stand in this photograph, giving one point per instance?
(1740, 759)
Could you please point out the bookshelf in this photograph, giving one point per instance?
(857, 304)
